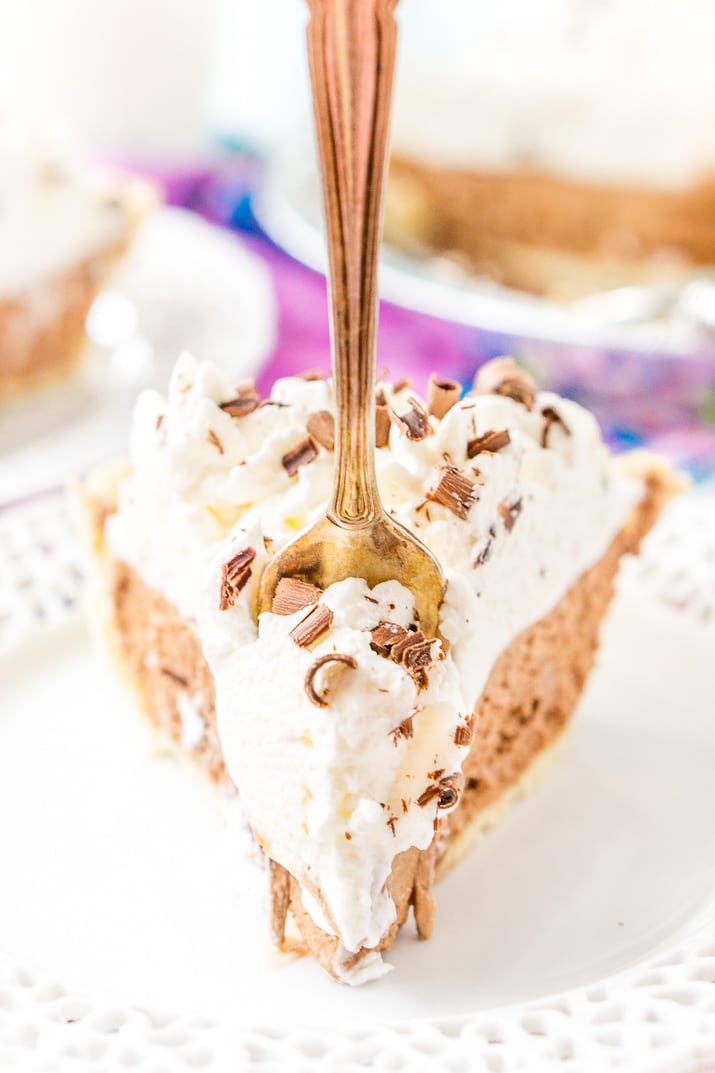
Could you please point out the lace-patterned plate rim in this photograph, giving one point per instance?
(658, 1014)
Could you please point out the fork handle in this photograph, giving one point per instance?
(351, 49)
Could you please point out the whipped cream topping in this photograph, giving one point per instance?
(334, 792)
(608, 92)
(51, 214)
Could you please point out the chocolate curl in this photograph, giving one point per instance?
(442, 395)
(317, 622)
(234, 576)
(241, 406)
(509, 512)
(552, 417)
(502, 376)
(414, 424)
(293, 595)
(490, 442)
(321, 428)
(333, 665)
(454, 491)
(302, 454)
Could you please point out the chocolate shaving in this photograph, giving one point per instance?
(321, 428)
(484, 554)
(382, 425)
(178, 678)
(552, 417)
(502, 376)
(241, 405)
(234, 576)
(454, 491)
(400, 385)
(405, 730)
(213, 438)
(312, 374)
(385, 636)
(419, 676)
(412, 640)
(391, 824)
(408, 647)
(414, 424)
(428, 795)
(159, 422)
(300, 455)
(442, 395)
(490, 441)
(318, 620)
(319, 697)
(465, 732)
(292, 595)
(509, 513)
(450, 790)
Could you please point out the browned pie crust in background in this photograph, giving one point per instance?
(528, 699)
(515, 225)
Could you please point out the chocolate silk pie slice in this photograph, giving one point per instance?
(367, 758)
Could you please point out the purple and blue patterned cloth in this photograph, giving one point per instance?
(660, 401)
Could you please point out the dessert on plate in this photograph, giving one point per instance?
(559, 148)
(367, 758)
(62, 229)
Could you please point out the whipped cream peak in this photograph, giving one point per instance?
(343, 728)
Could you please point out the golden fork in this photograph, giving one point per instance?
(351, 47)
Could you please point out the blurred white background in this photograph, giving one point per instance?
(162, 78)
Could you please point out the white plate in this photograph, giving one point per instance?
(184, 285)
(579, 935)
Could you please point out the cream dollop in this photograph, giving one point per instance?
(334, 792)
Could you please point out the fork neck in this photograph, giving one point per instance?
(351, 49)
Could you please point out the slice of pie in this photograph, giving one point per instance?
(366, 756)
(63, 228)
(556, 154)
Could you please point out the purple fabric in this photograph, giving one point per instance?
(667, 402)
(409, 344)
(638, 400)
